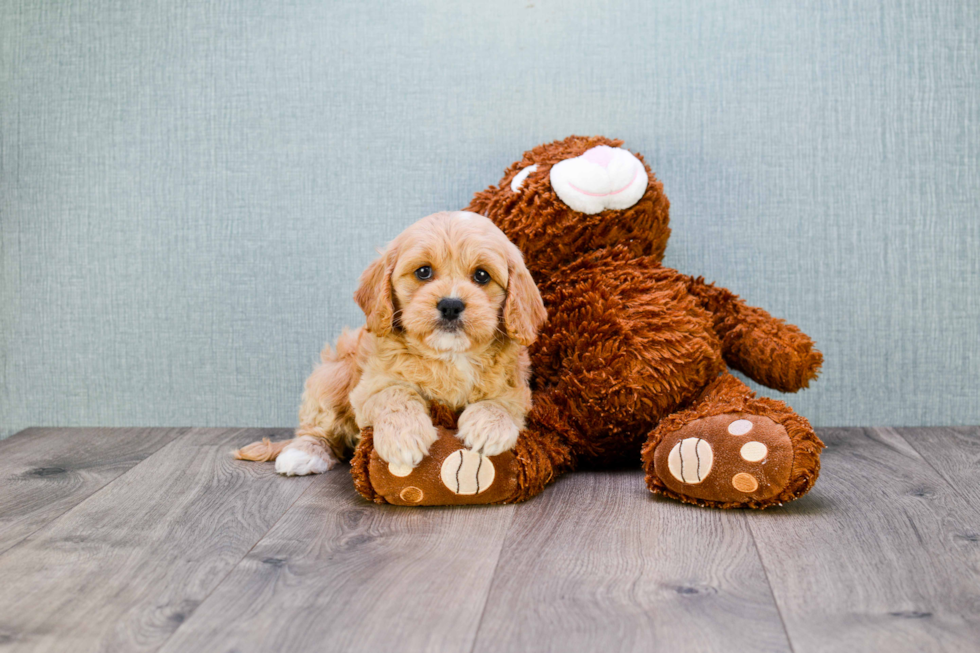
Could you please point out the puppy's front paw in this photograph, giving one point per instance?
(487, 428)
(402, 439)
(303, 457)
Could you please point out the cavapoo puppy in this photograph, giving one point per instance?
(450, 311)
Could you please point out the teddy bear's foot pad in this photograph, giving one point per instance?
(449, 475)
(730, 458)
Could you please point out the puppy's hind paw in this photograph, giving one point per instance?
(300, 461)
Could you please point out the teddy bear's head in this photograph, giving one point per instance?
(574, 196)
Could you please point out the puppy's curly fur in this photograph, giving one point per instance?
(410, 354)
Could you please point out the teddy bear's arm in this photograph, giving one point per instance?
(765, 348)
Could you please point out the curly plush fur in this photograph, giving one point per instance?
(633, 351)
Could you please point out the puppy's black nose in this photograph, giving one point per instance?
(450, 307)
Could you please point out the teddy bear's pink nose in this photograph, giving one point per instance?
(600, 155)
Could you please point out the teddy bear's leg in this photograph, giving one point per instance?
(731, 449)
(543, 449)
(452, 475)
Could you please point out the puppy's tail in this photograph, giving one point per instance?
(327, 393)
(261, 451)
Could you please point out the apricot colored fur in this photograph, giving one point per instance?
(384, 375)
(261, 452)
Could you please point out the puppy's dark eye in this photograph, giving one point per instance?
(481, 276)
(424, 273)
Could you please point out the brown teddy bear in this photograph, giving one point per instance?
(633, 361)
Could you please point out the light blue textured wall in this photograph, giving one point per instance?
(189, 189)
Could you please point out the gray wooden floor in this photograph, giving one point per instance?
(156, 540)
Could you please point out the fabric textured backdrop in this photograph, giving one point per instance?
(190, 189)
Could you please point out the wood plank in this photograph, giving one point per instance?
(882, 555)
(954, 452)
(600, 564)
(123, 569)
(46, 472)
(338, 573)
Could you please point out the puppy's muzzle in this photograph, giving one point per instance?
(450, 308)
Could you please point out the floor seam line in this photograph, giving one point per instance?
(772, 593)
(929, 464)
(493, 580)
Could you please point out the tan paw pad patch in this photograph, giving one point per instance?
(740, 427)
(753, 451)
(401, 471)
(411, 494)
(467, 472)
(690, 460)
(745, 482)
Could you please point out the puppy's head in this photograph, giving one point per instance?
(452, 281)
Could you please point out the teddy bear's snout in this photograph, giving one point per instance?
(602, 178)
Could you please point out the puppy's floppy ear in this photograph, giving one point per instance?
(374, 295)
(524, 311)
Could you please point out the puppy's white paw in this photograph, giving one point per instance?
(488, 428)
(300, 462)
(402, 439)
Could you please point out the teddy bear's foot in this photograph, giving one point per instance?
(733, 450)
(451, 474)
(728, 458)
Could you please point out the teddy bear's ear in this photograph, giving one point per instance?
(374, 295)
(524, 311)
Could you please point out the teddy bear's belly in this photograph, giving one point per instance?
(624, 353)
